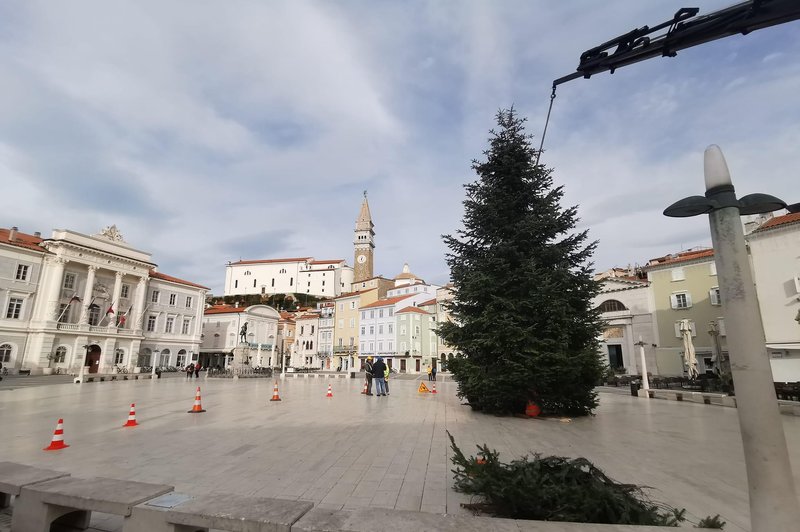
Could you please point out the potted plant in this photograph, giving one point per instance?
(49, 370)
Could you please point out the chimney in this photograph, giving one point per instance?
(12, 234)
(37, 234)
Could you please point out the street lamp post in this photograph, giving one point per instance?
(156, 352)
(773, 503)
(643, 363)
(79, 378)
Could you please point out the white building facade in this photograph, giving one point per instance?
(83, 303)
(253, 330)
(306, 353)
(301, 275)
(775, 255)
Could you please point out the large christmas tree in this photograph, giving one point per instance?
(523, 287)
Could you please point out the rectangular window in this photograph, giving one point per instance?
(126, 289)
(363, 330)
(340, 342)
(151, 323)
(291, 281)
(363, 314)
(188, 301)
(323, 282)
(380, 329)
(62, 313)
(681, 300)
(236, 283)
(371, 347)
(341, 324)
(94, 315)
(352, 341)
(69, 281)
(181, 361)
(154, 297)
(312, 329)
(119, 356)
(371, 314)
(341, 306)
(390, 346)
(185, 327)
(302, 327)
(22, 272)
(172, 300)
(352, 323)
(380, 312)
(713, 295)
(678, 274)
(352, 305)
(273, 281)
(14, 308)
(170, 323)
(391, 312)
(391, 327)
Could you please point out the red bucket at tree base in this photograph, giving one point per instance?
(532, 410)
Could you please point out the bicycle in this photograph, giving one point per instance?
(121, 369)
(58, 371)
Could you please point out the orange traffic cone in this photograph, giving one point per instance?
(197, 408)
(364, 391)
(131, 417)
(434, 388)
(532, 409)
(58, 438)
(330, 392)
(275, 396)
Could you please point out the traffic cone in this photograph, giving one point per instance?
(131, 417)
(58, 438)
(275, 396)
(434, 388)
(197, 408)
(330, 392)
(364, 391)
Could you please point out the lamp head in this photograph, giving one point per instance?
(691, 206)
(715, 168)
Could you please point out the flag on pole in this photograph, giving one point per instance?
(74, 299)
(123, 317)
(110, 309)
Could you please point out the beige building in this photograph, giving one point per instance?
(345, 329)
(684, 286)
(775, 255)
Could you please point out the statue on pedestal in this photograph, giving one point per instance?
(243, 333)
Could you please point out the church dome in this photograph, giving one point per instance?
(406, 273)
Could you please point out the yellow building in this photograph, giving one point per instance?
(345, 327)
(685, 286)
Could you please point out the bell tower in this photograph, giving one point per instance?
(363, 243)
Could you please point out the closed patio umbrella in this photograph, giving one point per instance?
(689, 358)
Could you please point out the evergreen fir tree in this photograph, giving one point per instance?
(522, 308)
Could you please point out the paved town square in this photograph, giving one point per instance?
(354, 451)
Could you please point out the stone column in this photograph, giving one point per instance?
(112, 322)
(138, 305)
(52, 290)
(87, 295)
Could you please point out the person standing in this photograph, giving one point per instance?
(378, 376)
(368, 368)
(433, 373)
(197, 371)
(189, 371)
(386, 373)
(429, 372)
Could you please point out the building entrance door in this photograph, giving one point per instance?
(402, 366)
(93, 358)
(417, 361)
(615, 356)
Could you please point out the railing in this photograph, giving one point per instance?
(68, 326)
(98, 329)
(344, 349)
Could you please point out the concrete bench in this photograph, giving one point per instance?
(14, 477)
(176, 512)
(71, 501)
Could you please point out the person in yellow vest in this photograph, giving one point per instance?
(386, 379)
(429, 372)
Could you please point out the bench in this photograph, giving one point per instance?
(177, 512)
(70, 501)
(24, 372)
(14, 477)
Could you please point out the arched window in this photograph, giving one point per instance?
(61, 354)
(164, 358)
(612, 305)
(5, 353)
(94, 315)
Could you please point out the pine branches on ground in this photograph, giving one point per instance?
(554, 488)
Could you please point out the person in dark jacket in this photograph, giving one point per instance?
(378, 372)
(368, 369)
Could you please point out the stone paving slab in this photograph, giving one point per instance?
(349, 452)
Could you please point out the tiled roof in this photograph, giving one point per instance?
(352, 294)
(386, 302)
(412, 309)
(335, 261)
(22, 240)
(779, 220)
(308, 317)
(270, 261)
(681, 257)
(428, 302)
(223, 309)
(165, 277)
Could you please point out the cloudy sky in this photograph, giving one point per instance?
(214, 131)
